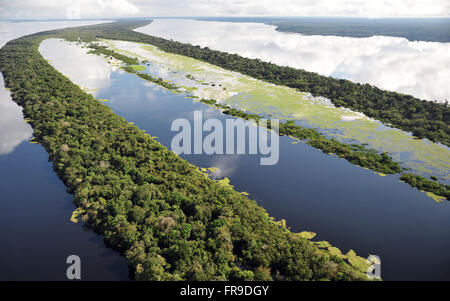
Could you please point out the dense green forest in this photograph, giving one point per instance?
(168, 219)
(425, 119)
(420, 29)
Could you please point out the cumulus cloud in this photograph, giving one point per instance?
(418, 68)
(122, 8)
(103, 8)
(354, 8)
(67, 9)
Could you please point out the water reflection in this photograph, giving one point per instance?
(91, 72)
(13, 129)
(418, 68)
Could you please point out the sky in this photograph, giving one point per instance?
(83, 9)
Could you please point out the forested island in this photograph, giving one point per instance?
(162, 213)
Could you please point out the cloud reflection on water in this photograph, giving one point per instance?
(88, 71)
(13, 129)
(418, 68)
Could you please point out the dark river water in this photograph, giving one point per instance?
(348, 206)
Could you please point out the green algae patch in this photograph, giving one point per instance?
(435, 197)
(307, 235)
(225, 182)
(357, 261)
(76, 214)
(138, 67)
(103, 100)
(213, 169)
(322, 244)
(336, 252)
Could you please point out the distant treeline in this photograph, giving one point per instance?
(413, 30)
(168, 218)
(425, 119)
(420, 29)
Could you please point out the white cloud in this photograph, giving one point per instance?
(67, 9)
(418, 68)
(129, 8)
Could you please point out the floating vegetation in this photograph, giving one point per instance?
(213, 169)
(357, 261)
(34, 141)
(103, 100)
(76, 214)
(138, 67)
(225, 182)
(426, 185)
(435, 197)
(307, 235)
